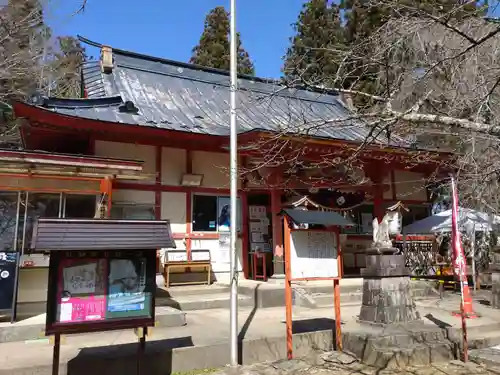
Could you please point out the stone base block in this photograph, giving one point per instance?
(387, 301)
(398, 346)
(385, 266)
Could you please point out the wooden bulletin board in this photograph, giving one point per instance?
(91, 291)
(314, 254)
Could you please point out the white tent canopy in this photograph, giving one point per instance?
(468, 220)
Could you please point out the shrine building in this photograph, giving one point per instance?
(150, 137)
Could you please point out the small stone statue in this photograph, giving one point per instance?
(381, 239)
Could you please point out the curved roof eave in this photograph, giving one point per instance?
(84, 103)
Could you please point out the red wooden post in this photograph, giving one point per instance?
(338, 327)
(277, 231)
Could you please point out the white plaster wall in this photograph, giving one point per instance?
(410, 186)
(130, 151)
(46, 183)
(214, 166)
(33, 285)
(173, 165)
(218, 265)
(173, 208)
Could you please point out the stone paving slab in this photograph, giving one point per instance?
(203, 328)
(34, 328)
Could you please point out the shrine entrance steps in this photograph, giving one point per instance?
(266, 295)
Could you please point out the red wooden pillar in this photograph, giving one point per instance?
(277, 227)
(189, 209)
(376, 173)
(158, 182)
(244, 233)
(378, 199)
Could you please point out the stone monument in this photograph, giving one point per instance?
(389, 332)
(387, 296)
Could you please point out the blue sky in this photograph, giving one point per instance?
(171, 28)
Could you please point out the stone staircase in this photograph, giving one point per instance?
(198, 297)
(266, 295)
(320, 297)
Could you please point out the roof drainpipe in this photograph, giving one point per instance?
(106, 59)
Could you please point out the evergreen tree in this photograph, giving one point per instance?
(213, 50)
(67, 67)
(318, 33)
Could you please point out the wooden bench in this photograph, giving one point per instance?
(178, 259)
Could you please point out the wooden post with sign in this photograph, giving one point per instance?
(320, 259)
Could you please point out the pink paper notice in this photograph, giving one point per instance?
(81, 309)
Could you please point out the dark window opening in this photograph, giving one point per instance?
(80, 206)
(204, 213)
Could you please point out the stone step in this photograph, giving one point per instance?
(273, 295)
(326, 300)
(202, 301)
(320, 300)
(189, 290)
(478, 337)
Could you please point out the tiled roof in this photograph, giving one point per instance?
(184, 97)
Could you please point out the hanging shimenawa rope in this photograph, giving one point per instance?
(326, 208)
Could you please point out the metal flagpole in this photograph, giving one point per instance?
(233, 319)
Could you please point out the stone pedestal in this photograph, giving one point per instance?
(389, 332)
(495, 279)
(387, 296)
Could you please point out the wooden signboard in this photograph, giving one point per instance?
(314, 254)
